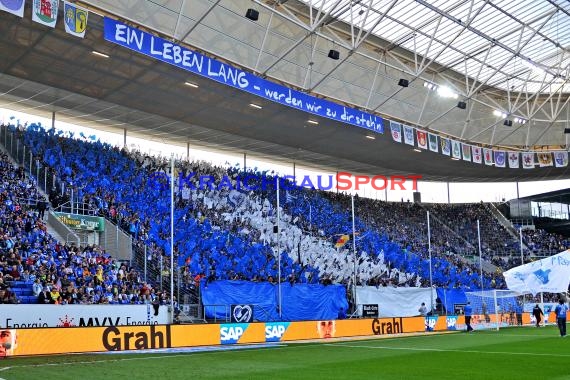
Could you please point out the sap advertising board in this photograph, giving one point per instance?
(189, 60)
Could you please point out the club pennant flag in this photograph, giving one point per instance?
(544, 159)
(445, 146)
(422, 139)
(341, 241)
(13, 6)
(561, 158)
(513, 160)
(548, 275)
(476, 152)
(500, 159)
(75, 19)
(45, 12)
(488, 156)
(528, 160)
(466, 150)
(432, 142)
(408, 135)
(396, 129)
(456, 151)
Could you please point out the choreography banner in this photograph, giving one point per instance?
(200, 64)
(550, 275)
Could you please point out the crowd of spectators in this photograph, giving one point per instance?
(60, 273)
(228, 232)
(542, 242)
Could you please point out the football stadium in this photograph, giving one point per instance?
(284, 189)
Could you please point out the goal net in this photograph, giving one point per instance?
(493, 309)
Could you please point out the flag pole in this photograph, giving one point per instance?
(480, 257)
(278, 251)
(520, 245)
(354, 252)
(430, 268)
(172, 238)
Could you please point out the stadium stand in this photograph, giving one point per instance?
(227, 234)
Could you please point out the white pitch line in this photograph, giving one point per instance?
(161, 357)
(444, 350)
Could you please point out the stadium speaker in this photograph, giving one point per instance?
(461, 105)
(334, 54)
(567, 130)
(417, 197)
(275, 229)
(252, 14)
(508, 123)
(403, 83)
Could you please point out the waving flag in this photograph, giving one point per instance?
(445, 146)
(550, 275)
(13, 6)
(513, 160)
(396, 129)
(528, 160)
(341, 241)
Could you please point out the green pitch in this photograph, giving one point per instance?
(516, 353)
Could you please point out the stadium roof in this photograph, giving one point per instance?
(558, 196)
(46, 70)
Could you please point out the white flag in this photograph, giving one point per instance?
(513, 160)
(550, 275)
(396, 129)
(528, 160)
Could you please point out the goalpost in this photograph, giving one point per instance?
(493, 309)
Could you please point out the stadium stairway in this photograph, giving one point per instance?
(493, 210)
(24, 291)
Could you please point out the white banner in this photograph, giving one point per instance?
(23, 316)
(549, 275)
(395, 302)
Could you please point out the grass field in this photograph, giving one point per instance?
(517, 353)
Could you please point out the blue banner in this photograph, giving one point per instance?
(301, 302)
(192, 61)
